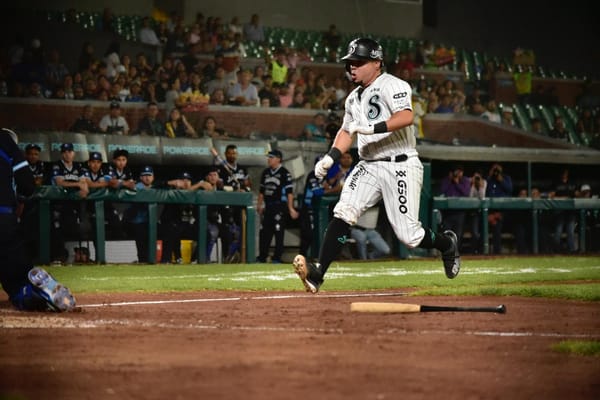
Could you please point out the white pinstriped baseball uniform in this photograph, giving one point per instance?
(399, 183)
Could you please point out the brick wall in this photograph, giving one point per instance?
(58, 115)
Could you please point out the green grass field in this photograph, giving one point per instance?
(556, 277)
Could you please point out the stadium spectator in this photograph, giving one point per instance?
(135, 93)
(177, 125)
(315, 129)
(218, 98)
(220, 81)
(243, 93)
(298, 101)
(558, 130)
(507, 117)
(585, 122)
(253, 30)
(151, 124)
(491, 112)
(55, 70)
(278, 68)
(113, 122)
(267, 92)
(210, 129)
(84, 123)
(537, 127)
(147, 35)
(112, 58)
(235, 26)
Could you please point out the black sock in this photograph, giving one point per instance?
(335, 236)
(431, 240)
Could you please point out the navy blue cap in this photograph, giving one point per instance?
(147, 171)
(94, 155)
(32, 146)
(275, 153)
(66, 147)
(115, 104)
(186, 175)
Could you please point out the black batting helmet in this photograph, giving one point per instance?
(364, 49)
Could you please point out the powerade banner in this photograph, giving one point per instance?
(145, 150)
(250, 152)
(180, 151)
(80, 145)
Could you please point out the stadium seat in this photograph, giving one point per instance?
(521, 117)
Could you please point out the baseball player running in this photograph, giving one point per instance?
(379, 113)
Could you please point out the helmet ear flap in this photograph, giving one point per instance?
(347, 73)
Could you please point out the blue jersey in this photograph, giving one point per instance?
(70, 174)
(275, 185)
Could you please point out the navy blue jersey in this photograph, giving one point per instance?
(11, 162)
(72, 174)
(105, 173)
(275, 185)
(234, 176)
(124, 175)
(37, 170)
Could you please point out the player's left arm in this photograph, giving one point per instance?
(399, 120)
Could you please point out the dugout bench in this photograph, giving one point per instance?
(46, 194)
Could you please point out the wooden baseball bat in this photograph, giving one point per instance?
(372, 307)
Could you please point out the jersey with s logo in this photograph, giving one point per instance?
(376, 103)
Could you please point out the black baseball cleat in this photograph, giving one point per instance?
(451, 257)
(58, 297)
(309, 273)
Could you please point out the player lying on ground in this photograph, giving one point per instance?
(379, 112)
(28, 288)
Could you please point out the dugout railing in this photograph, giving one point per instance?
(483, 206)
(153, 197)
(433, 206)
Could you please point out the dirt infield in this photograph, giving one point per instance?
(265, 345)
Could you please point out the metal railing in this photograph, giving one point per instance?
(153, 197)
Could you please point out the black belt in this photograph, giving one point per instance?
(7, 210)
(398, 158)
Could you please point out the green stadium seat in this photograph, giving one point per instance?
(521, 117)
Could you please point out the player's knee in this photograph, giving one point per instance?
(346, 213)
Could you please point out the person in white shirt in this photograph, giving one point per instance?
(147, 35)
(113, 122)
